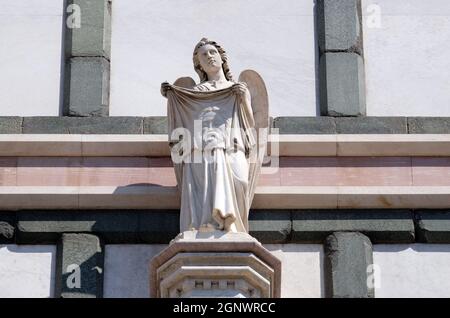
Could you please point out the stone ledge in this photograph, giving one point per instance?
(268, 226)
(433, 226)
(61, 145)
(275, 197)
(305, 125)
(133, 227)
(10, 125)
(342, 125)
(393, 145)
(285, 124)
(371, 125)
(83, 125)
(381, 226)
(429, 125)
(156, 125)
(114, 226)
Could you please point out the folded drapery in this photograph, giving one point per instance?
(213, 149)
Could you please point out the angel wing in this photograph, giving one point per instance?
(260, 107)
(258, 92)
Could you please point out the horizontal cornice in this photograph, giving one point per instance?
(273, 197)
(288, 145)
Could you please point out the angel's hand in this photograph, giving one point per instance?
(164, 88)
(240, 89)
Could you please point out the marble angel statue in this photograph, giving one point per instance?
(217, 133)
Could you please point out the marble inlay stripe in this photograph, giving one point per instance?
(431, 171)
(290, 171)
(8, 171)
(288, 145)
(274, 197)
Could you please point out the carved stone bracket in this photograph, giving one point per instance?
(215, 264)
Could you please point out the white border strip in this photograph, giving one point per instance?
(156, 197)
(289, 145)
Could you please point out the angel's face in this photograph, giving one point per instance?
(209, 58)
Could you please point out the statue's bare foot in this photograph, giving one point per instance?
(207, 228)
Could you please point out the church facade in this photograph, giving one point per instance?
(354, 195)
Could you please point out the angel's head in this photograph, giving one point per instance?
(210, 56)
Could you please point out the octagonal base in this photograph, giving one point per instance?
(215, 264)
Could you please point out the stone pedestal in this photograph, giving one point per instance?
(215, 264)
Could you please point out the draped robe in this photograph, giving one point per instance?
(212, 145)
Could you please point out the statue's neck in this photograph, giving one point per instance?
(217, 76)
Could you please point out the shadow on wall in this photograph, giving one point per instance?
(316, 59)
(417, 247)
(66, 44)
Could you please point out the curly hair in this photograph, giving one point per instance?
(201, 73)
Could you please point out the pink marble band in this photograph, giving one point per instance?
(290, 171)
